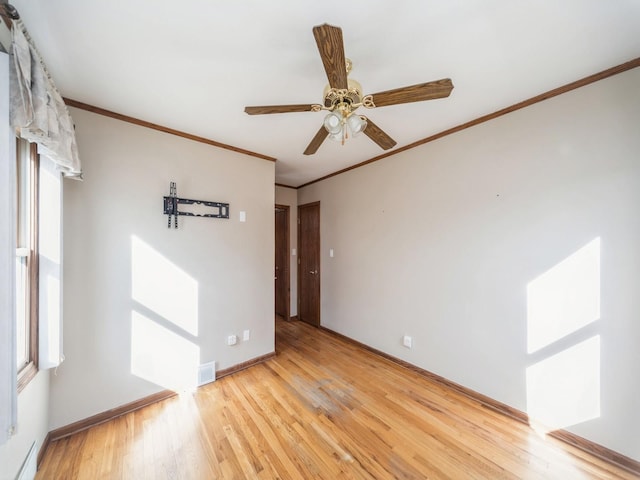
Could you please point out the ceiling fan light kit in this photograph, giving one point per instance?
(343, 96)
(342, 123)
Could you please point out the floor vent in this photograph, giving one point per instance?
(206, 373)
(30, 465)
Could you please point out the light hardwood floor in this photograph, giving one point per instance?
(322, 409)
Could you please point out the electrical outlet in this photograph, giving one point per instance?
(232, 340)
(246, 335)
(407, 341)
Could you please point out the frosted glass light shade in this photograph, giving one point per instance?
(332, 123)
(356, 124)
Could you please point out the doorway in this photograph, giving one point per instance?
(282, 268)
(309, 263)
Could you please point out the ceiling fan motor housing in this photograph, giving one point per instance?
(335, 96)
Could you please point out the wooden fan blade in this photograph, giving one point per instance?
(263, 110)
(317, 141)
(414, 93)
(331, 48)
(376, 134)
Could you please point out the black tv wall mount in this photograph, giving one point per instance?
(218, 209)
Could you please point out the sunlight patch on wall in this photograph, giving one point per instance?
(565, 298)
(564, 389)
(162, 356)
(163, 287)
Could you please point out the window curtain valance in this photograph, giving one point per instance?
(38, 112)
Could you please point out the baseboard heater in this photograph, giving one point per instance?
(29, 466)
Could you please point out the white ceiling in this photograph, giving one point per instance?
(194, 65)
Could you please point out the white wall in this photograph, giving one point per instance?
(33, 425)
(289, 196)
(441, 243)
(132, 285)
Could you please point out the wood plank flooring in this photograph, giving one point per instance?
(322, 409)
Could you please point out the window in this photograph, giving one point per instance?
(27, 169)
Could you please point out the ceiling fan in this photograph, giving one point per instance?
(343, 96)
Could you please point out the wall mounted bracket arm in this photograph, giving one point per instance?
(212, 209)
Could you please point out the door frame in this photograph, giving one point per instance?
(286, 208)
(300, 207)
